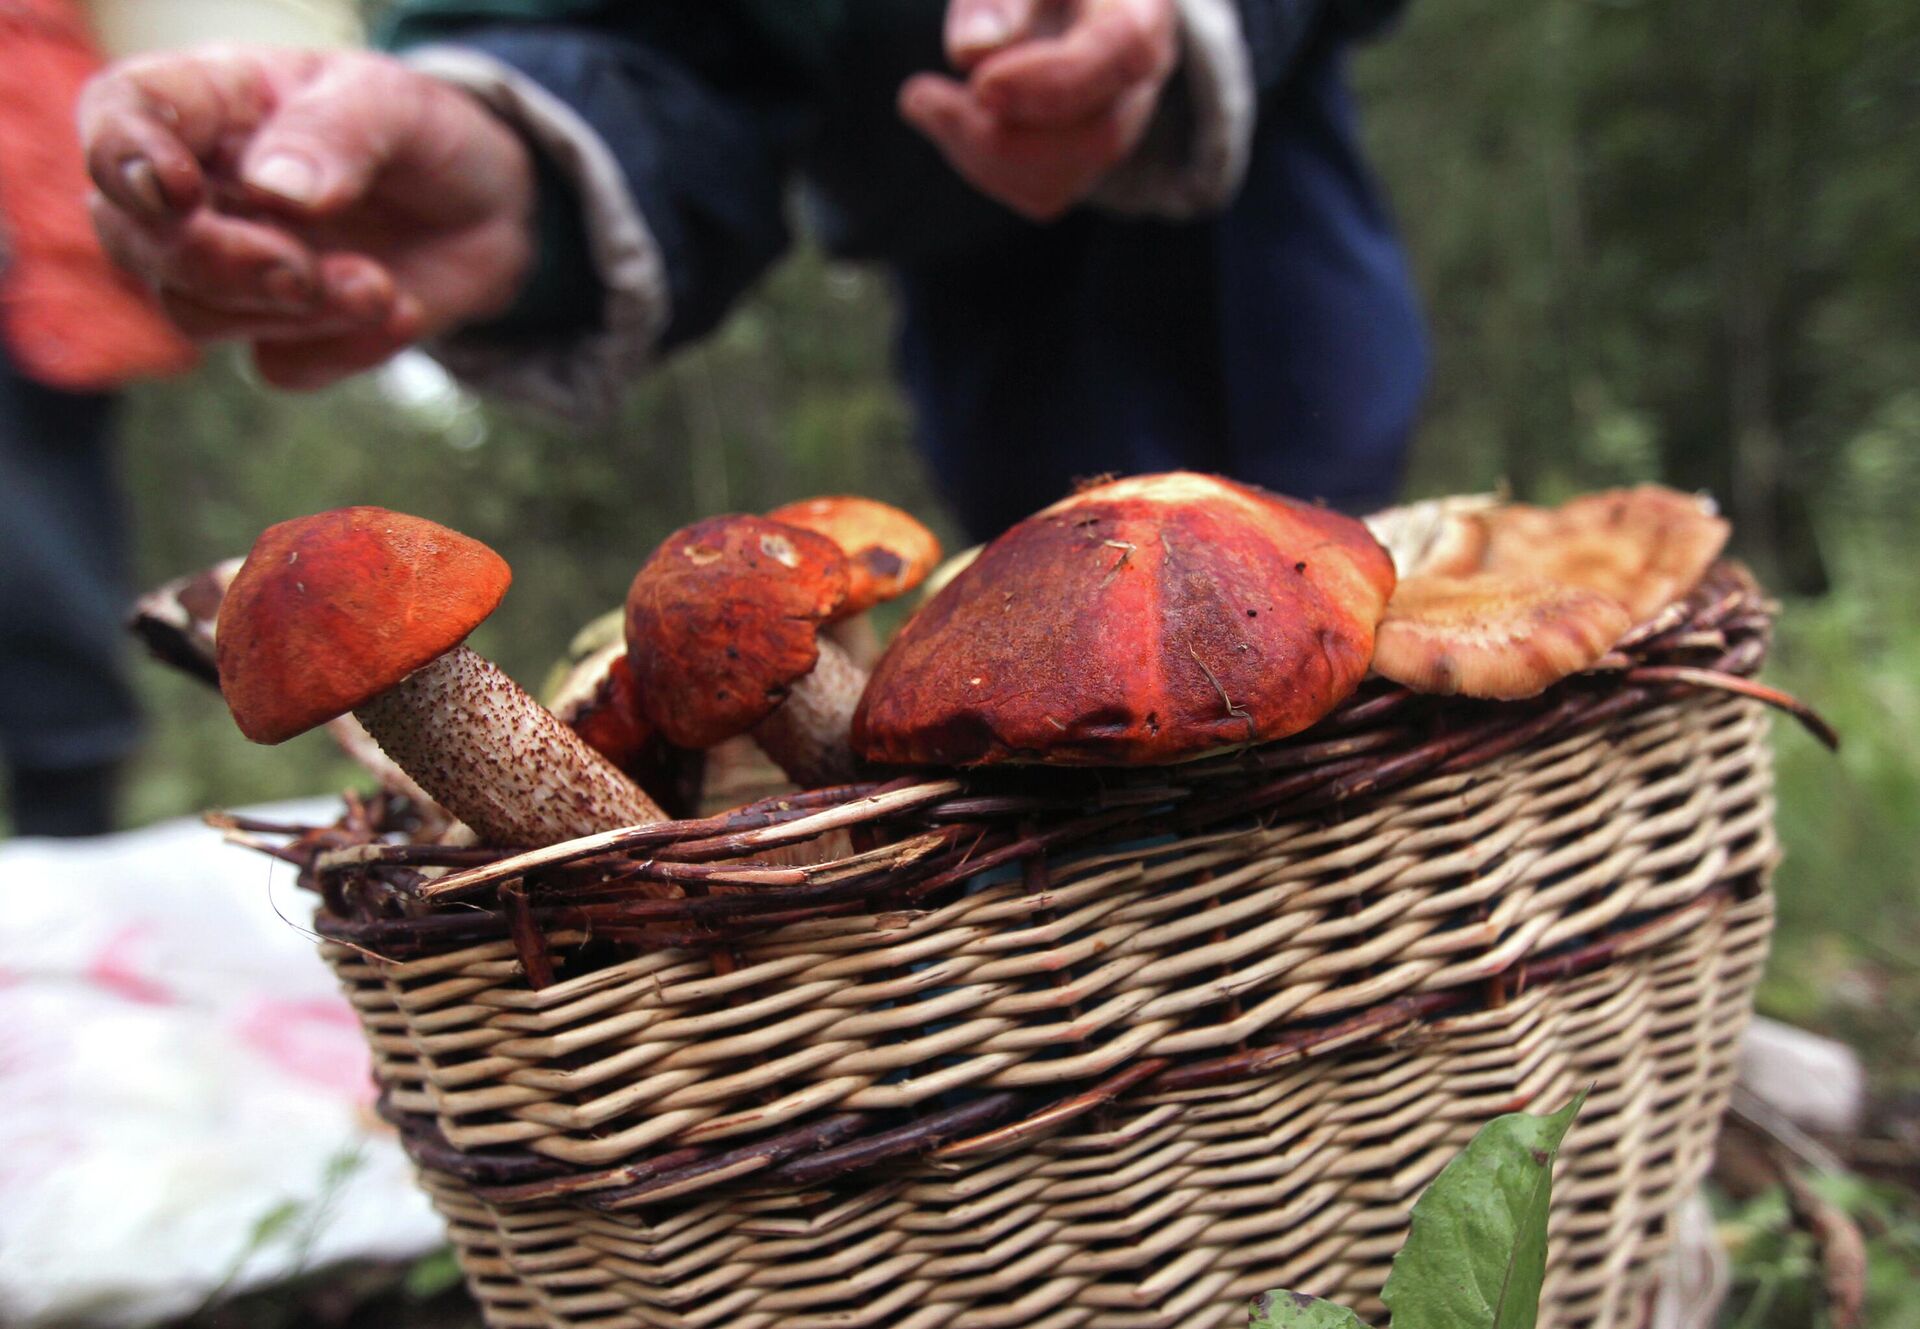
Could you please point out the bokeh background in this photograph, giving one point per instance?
(1656, 240)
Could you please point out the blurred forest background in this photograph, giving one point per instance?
(1656, 240)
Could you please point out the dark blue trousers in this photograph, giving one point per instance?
(67, 712)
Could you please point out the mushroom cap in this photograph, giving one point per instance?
(889, 552)
(1645, 547)
(596, 700)
(1443, 535)
(331, 610)
(1139, 621)
(722, 621)
(1492, 634)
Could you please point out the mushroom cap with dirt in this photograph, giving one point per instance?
(1492, 634)
(365, 610)
(1143, 620)
(723, 638)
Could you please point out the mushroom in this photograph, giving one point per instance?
(594, 696)
(1440, 535)
(723, 638)
(177, 622)
(1139, 621)
(363, 610)
(595, 699)
(1492, 634)
(889, 552)
(1645, 546)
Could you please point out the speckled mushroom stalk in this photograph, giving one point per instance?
(808, 733)
(723, 638)
(364, 610)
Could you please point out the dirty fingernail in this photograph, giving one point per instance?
(288, 177)
(288, 286)
(144, 184)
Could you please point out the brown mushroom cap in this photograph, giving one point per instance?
(889, 552)
(595, 698)
(1139, 621)
(723, 620)
(331, 610)
(1493, 634)
(1644, 547)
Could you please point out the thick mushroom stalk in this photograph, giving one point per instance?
(365, 610)
(807, 734)
(503, 763)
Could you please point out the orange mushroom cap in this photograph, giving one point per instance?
(1644, 547)
(723, 620)
(331, 610)
(1138, 621)
(889, 552)
(1493, 634)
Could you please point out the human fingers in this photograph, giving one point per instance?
(149, 124)
(1038, 172)
(1109, 49)
(215, 259)
(356, 295)
(977, 28)
(302, 366)
(317, 151)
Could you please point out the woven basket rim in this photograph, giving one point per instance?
(702, 882)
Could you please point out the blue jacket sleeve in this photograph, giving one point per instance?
(706, 168)
(1277, 31)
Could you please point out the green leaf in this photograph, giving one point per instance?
(1478, 1249)
(1296, 1310)
(432, 1274)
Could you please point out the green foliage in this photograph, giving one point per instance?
(1777, 1279)
(1476, 1254)
(1296, 1310)
(432, 1275)
(1477, 1251)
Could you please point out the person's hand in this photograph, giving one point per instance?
(327, 207)
(1057, 93)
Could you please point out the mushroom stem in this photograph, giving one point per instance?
(810, 733)
(498, 760)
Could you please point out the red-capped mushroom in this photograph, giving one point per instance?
(1492, 634)
(1138, 621)
(1645, 547)
(364, 610)
(177, 622)
(723, 638)
(889, 552)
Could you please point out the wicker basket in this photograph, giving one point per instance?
(1108, 1049)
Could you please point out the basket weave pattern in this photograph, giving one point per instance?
(1145, 1079)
